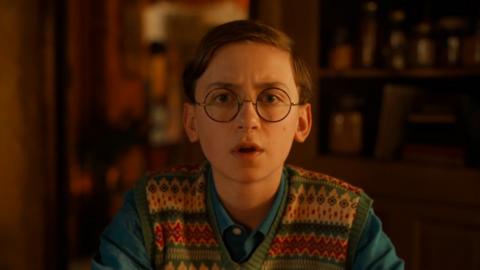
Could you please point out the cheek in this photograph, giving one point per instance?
(211, 148)
(212, 138)
(290, 126)
(283, 136)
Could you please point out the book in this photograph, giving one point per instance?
(397, 103)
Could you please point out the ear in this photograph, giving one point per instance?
(304, 124)
(189, 123)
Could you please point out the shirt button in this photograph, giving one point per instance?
(237, 231)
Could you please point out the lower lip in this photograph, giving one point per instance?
(247, 155)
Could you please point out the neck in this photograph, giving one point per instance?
(247, 202)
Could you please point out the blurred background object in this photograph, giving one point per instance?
(91, 99)
(368, 34)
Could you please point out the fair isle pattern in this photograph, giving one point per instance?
(316, 203)
(312, 232)
(316, 176)
(173, 194)
(177, 200)
(187, 266)
(309, 245)
(183, 234)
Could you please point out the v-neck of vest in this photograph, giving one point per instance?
(260, 253)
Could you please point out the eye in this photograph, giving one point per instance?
(273, 97)
(220, 97)
(269, 99)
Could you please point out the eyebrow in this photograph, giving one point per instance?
(233, 86)
(226, 85)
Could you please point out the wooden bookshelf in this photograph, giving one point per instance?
(429, 211)
(417, 73)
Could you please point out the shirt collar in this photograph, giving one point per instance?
(224, 220)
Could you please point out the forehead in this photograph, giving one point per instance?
(246, 63)
(241, 55)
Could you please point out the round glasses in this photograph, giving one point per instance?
(271, 105)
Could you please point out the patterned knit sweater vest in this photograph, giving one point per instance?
(317, 226)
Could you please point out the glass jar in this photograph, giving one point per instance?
(346, 126)
(341, 54)
(423, 46)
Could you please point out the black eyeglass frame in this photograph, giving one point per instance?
(240, 103)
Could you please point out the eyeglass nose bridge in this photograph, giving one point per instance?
(240, 103)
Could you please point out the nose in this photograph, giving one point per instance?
(247, 117)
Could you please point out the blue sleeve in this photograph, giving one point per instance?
(121, 243)
(375, 250)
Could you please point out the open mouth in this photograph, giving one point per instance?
(247, 148)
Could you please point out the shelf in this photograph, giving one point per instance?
(412, 180)
(420, 73)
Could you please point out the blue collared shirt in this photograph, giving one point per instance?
(240, 241)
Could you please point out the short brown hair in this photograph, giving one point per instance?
(244, 30)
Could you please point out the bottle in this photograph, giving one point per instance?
(423, 46)
(341, 54)
(346, 126)
(368, 35)
(396, 52)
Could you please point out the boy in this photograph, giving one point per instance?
(244, 209)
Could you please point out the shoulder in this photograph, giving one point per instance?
(180, 174)
(318, 178)
(177, 188)
(331, 199)
(170, 177)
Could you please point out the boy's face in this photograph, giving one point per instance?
(247, 148)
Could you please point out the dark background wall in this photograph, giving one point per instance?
(26, 138)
